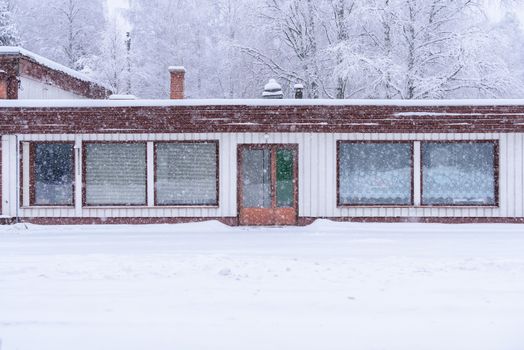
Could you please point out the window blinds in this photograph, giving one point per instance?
(115, 174)
(186, 174)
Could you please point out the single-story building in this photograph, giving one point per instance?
(262, 161)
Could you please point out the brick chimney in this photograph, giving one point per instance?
(177, 82)
(3, 85)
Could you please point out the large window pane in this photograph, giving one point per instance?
(458, 173)
(256, 178)
(187, 173)
(53, 174)
(115, 174)
(375, 173)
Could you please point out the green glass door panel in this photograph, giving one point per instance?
(285, 187)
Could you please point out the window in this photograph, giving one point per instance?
(187, 173)
(459, 173)
(375, 173)
(52, 178)
(115, 173)
(256, 178)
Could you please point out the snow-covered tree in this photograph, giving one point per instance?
(292, 25)
(68, 31)
(407, 49)
(203, 36)
(8, 30)
(418, 49)
(111, 65)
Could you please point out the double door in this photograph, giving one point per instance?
(268, 185)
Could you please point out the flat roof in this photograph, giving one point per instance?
(80, 103)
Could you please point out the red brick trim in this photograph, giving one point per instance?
(231, 221)
(199, 119)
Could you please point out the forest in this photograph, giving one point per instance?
(372, 49)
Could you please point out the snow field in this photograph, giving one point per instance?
(208, 286)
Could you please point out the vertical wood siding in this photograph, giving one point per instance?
(317, 176)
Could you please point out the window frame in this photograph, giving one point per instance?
(217, 176)
(496, 173)
(412, 165)
(32, 174)
(84, 176)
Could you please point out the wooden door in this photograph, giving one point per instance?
(268, 185)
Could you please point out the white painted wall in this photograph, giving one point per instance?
(317, 176)
(34, 89)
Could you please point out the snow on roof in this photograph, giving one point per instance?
(122, 97)
(272, 85)
(15, 50)
(255, 102)
(176, 69)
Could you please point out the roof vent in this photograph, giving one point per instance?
(299, 91)
(273, 90)
(122, 97)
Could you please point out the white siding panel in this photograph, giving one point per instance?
(519, 177)
(150, 157)
(25, 174)
(317, 175)
(503, 175)
(417, 167)
(34, 89)
(510, 178)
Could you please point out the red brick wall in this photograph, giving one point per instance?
(178, 119)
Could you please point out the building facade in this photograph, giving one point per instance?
(250, 162)
(257, 162)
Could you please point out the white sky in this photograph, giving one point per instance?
(113, 6)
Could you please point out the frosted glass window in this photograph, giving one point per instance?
(186, 173)
(53, 174)
(458, 173)
(375, 174)
(256, 178)
(115, 174)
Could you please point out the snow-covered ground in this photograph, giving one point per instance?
(207, 286)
